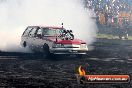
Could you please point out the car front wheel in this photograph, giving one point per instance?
(24, 44)
(46, 50)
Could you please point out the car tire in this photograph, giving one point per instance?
(24, 44)
(46, 50)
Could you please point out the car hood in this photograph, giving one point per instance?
(59, 41)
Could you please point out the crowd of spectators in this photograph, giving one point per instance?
(111, 12)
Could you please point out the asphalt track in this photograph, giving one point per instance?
(34, 70)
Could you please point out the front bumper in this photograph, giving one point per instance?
(68, 51)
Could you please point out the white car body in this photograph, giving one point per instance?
(37, 38)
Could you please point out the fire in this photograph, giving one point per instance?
(81, 71)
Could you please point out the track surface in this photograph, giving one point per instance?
(31, 70)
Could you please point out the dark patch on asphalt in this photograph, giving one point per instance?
(34, 70)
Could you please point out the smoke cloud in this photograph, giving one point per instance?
(16, 15)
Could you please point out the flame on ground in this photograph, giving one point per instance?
(81, 71)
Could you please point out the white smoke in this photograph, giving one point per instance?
(15, 15)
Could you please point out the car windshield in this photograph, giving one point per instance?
(61, 33)
(51, 32)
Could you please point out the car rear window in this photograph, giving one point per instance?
(26, 32)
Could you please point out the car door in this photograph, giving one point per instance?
(39, 41)
(48, 34)
(31, 38)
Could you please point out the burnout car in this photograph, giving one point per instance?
(52, 40)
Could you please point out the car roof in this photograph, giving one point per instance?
(52, 27)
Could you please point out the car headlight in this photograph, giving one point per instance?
(83, 46)
(57, 46)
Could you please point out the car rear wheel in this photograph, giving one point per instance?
(24, 44)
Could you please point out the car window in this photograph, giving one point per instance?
(32, 32)
(26, 32)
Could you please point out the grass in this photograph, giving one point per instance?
(110, 36)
